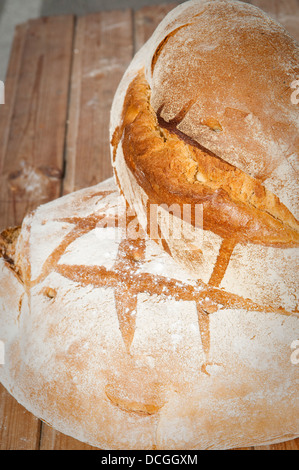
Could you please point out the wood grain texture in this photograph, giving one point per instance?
(102, 52)
(146, 21)
(19, 429)
(285, 12)
(54, 440)
(32, 131)
(288, 445)
(32, 161)
(59, 88)
(12, 77)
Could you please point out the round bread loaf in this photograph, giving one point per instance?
(109, 341)
(203, 120)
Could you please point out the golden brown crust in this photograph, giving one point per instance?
(172, 169)
(234, 65)
(8, 241)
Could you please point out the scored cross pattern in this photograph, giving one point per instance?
(128, 281)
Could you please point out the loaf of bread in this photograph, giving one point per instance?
(128, 326)
(204, 119)
(110, 341)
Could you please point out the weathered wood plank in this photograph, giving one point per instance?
(12, 76)
(288, 16)
(285, 12)
(33, 161)
(32, 127)
(147, 19)
(269, 6)
(288, 445)
(54, 440)
(19, 429)
(103, 50)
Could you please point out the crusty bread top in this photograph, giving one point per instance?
(173, 169)
(222, 75)
(207, 118)
(250, 221)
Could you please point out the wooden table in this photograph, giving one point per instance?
(61, 79)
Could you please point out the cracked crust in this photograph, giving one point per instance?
(188, 127)
(234, 66)
(174, 169)
(8, 242)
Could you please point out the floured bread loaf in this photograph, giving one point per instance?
(108, 340)
(203, 118)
